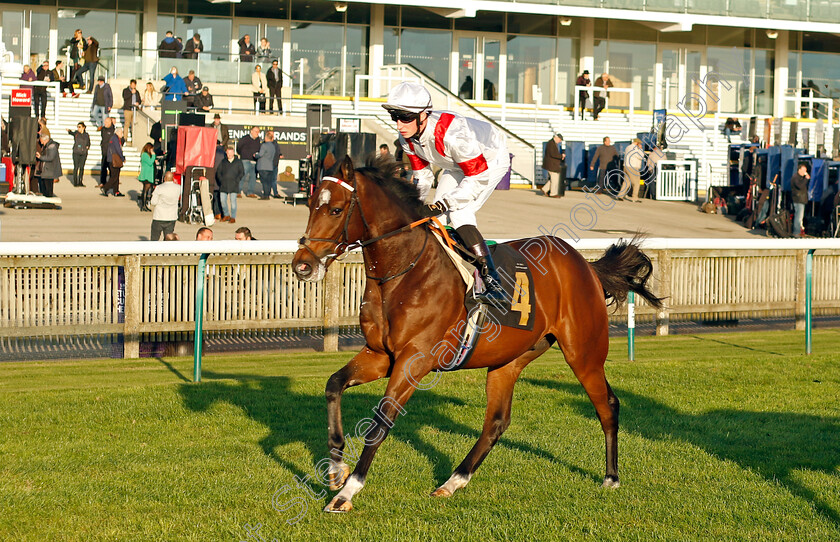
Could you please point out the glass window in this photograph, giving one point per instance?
(40, 35)
(711, 7)
(100, 24)
(130, 5)
(357, 56)
(423, 18)
(280, 10)
(526, 23)
(530, 61)
(571, 30)
(790, 9)
(793, 82)
(732, 65)
(696, 36)
(319, 45)
(392, 15)
(819, 42)
(484, 21)
(631, 66)
(828, 12)
(215, 35)
(763, 82)
(88, 4)
(128, 33)
(665, 5)
(221, 9)
(358, 13)
(821, 69)
(747, 8)
(729, 36)
(428, 51)
(600, 27)
(390, 44)
(306, 10)
(600, 57)
(568, 53)
(631, 30)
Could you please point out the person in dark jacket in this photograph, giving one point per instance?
(103, 101)
(59, 75)
(228, 174)
(116, 158)
(91, 61)
(193, 47)
(247, 147)
(50, 164)
(77, 46)
(204, 101)
(81, 146)
(246, 49)
(554, 161)
(265, 164)
(603, 156)
(106, 131)
(131, 103)
(583, 81)
(169, 46)
(193, 85)
(222, 132)
(39, 93)
(274, 77)
(799, 191)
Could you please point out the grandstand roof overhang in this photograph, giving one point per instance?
(665, 21)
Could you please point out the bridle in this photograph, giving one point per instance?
(342, 246)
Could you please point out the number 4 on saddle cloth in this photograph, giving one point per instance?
(516, 311)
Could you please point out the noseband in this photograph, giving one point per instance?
(342, 246)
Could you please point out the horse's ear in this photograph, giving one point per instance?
(329, 161)
(347, 171)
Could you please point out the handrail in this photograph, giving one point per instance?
(582, 88)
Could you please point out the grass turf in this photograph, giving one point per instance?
(723, 437)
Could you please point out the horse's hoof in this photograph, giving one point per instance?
(338, 505)
(611, 482)
(337, 479)
(441, 492)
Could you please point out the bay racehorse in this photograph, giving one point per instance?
(414, 300)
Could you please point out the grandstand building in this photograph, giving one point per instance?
(511, 60)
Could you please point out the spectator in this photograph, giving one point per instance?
(263, 50)
(150, 97)
(732, 126)
(384, 150)
(246, 49)
(49, 164)
(265, 164)
(77, 46)
(652, 168)
(193, 47)
(583, 81)
(278, 154)
(228, 176)
(604, 155)
(554, 161)
(147, 173)
(39, 93)
(799, 191)
(180, 44)
(169, 46)
(106, 131)
(27, 75)
(634, 160)
(91, 60)
(218, 158)
(165, 200)
(81, 146)
(116, 159)
(247, 148)
(222, 133)
(204, 234)
(203, 102)
(63, 85)
(274, 79)
(156, 133)
(243, 234)
(131, 101)
(174, 86)
(287, 176)
(259, 86)
(193, 85)
(600, 99)
(103, 101)
(405, 170)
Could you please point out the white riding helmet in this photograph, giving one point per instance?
(409, 96)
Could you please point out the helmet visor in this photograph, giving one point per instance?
(403, 116)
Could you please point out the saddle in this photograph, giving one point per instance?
(517, 280)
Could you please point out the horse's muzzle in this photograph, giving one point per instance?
(307, 267)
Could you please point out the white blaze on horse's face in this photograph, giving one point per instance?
(324, 197)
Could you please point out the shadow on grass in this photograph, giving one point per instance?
(736, 345)
(292, 417)
(773, 444)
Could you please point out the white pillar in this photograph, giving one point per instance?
(781, 73)
(150, 41)
(376, 54)
(587, 46)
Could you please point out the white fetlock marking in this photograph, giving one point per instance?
(354, 485)
(455, 482)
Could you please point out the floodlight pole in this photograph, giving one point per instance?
(199, 316)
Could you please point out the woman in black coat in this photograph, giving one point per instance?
(116, 158)
(50, 164)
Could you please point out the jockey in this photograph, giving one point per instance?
(474, 158)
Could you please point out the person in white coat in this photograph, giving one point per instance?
(259, 86)
(474, 158)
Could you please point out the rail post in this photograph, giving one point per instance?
(801, 290)
(809, 268)
(133, 300)
(663, 317)
(332, 299)
(631, 326)
(199, 316)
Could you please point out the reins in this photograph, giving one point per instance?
(343, 247)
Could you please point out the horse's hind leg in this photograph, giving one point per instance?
(499, 389)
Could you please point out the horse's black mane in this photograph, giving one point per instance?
(384, 172)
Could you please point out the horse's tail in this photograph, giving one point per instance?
(624, 268)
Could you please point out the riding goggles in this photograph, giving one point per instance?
(403, 116)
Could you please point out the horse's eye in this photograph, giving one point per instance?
(335, 211)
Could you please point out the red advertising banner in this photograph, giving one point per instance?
(21, 97)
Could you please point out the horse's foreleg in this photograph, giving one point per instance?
(499, 389)
(366, 366)
(404, 379)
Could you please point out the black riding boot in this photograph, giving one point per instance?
(494, 292)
